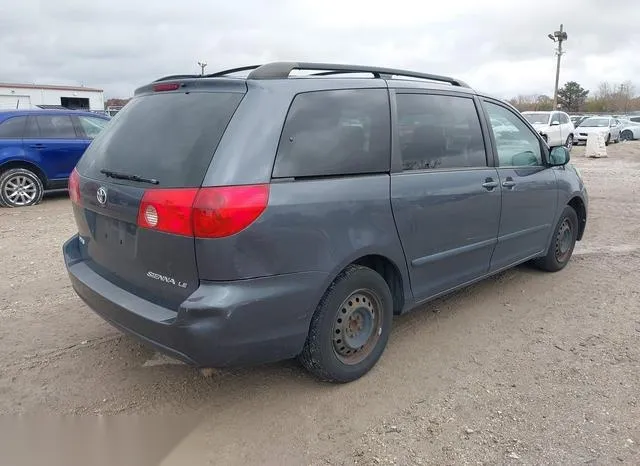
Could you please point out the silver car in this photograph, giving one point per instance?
(608, 126)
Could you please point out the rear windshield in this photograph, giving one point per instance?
(537, 118)
(595, 123)
(167, 137)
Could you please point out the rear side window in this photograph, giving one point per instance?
(91, 125)
(12, 128)
(55, 127)
(170, 137)
(439, 131)
(341, 132)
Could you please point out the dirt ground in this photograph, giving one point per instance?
(523, 368)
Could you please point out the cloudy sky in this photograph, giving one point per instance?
(498, 46)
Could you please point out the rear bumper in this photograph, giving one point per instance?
(221, 324)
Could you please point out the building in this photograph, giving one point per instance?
(13, 96)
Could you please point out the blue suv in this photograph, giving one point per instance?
(38, 150)
(237, 221)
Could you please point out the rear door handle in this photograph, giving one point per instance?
(38, 146)
(490, 184)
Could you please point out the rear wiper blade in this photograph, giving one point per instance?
(125, 176)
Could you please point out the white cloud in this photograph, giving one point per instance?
(499, 46)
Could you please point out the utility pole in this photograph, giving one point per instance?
(559, 37)
(202, 65)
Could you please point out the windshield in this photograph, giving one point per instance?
(595, 123)
(537, 118)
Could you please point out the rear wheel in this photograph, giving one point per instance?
(626, 135)
(562, 244)
(608, 140)
(350, 327)
(20, 187)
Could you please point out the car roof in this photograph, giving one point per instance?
(322, 76)
(6, 113)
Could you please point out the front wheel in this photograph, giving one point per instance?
(20, 187)
(562, 243)
(350, 327)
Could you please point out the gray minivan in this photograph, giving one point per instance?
(240, 220)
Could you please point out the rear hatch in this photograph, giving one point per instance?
(134, 187)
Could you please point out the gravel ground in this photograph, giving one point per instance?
(523, 368)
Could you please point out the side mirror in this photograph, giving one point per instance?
(555, 123)
(559, 156)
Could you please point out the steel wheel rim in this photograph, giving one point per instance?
(564, 240)
(357, 327)
(20, 190)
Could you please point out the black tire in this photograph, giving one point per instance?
(20, 177)
(608, 141)
(569, 142)
(562, 243)
(626, 135)
(325, 354)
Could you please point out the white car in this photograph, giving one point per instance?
(608, 126)
(629, 130)
(555, 127)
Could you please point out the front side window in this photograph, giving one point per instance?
(338, 132)
(13, 128)
(516, 144)
(55, 127)
(564, 119)
(555, 118)
(91, 125)
(439, 131)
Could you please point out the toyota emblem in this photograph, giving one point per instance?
(101, 195)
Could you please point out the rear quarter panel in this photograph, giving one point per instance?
(310, 226)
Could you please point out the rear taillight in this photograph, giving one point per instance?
(220, 212)
(167, 210)
(204, 213)
(74, 187)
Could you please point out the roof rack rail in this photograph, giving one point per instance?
(217, 74)
(231, 71)
(282, 70)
